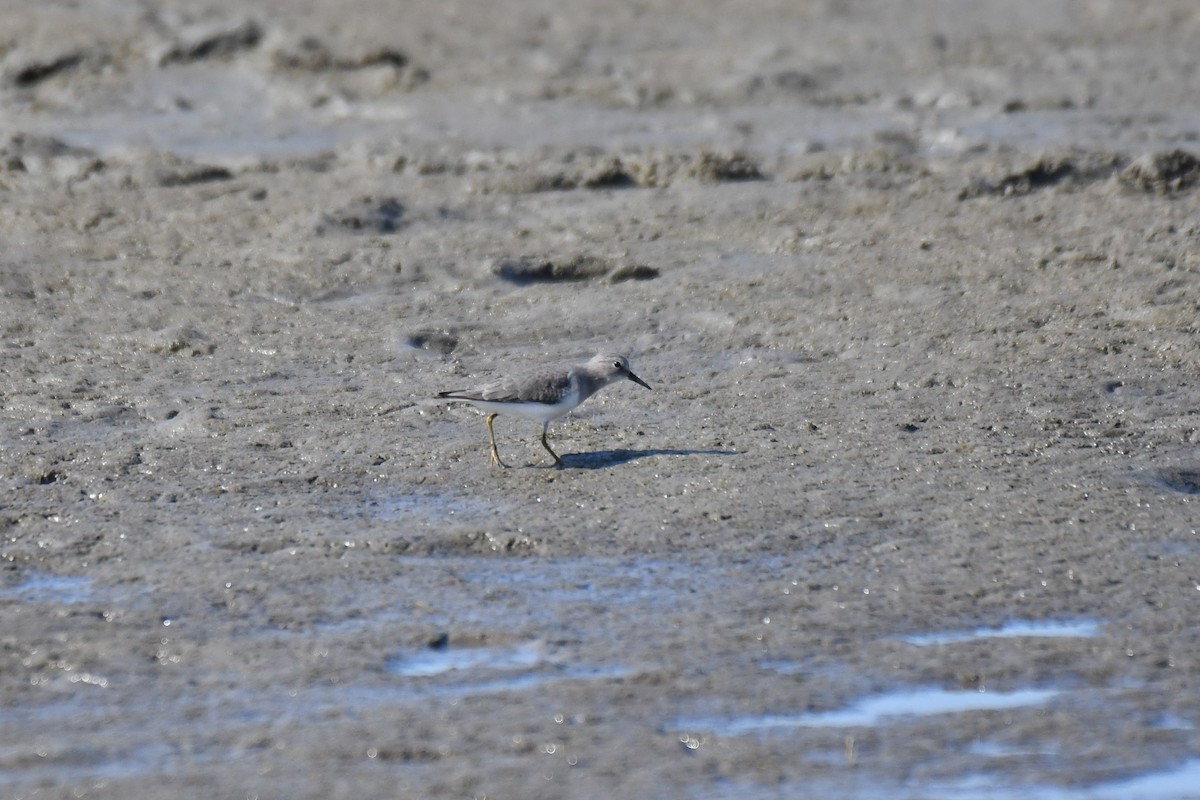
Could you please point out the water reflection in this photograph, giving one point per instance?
(877, 710)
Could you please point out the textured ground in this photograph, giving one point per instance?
(916, 288)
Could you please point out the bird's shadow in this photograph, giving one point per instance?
(603, 459)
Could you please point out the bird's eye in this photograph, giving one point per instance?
(617, 364)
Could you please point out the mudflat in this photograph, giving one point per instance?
(911, 510)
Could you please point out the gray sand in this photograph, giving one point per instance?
(916, 285)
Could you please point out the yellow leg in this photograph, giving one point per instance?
(545, 444)
(495, 453)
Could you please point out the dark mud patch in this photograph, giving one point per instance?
(1181, 479)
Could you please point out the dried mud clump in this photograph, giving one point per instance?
(171, 171)
(878, 162)
(383, 68)
(312, 55)
(638, 170)
(34, 70)
(368, 215)
(37, 154)
(633, 272)
(179, 339)
(652, 170)
(723, 168)
(581, 267)
(1162, 173)
(542, 270)
(609, 173)
(212, 41)
(435, 341)
(1043, 174)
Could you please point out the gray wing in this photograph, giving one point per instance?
(546, 387)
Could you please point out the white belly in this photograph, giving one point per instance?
(542, 412)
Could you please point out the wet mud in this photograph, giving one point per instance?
(911, 510)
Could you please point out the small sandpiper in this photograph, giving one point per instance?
(545, 395)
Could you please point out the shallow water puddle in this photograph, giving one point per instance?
(877, 710)
(43, 588)
(436, 661)
(357, 698)
(93, 765)
(529, 680)
(1082, 629)
(1175, 783)
(420, 507)
(1181, 781)
(525, 666)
